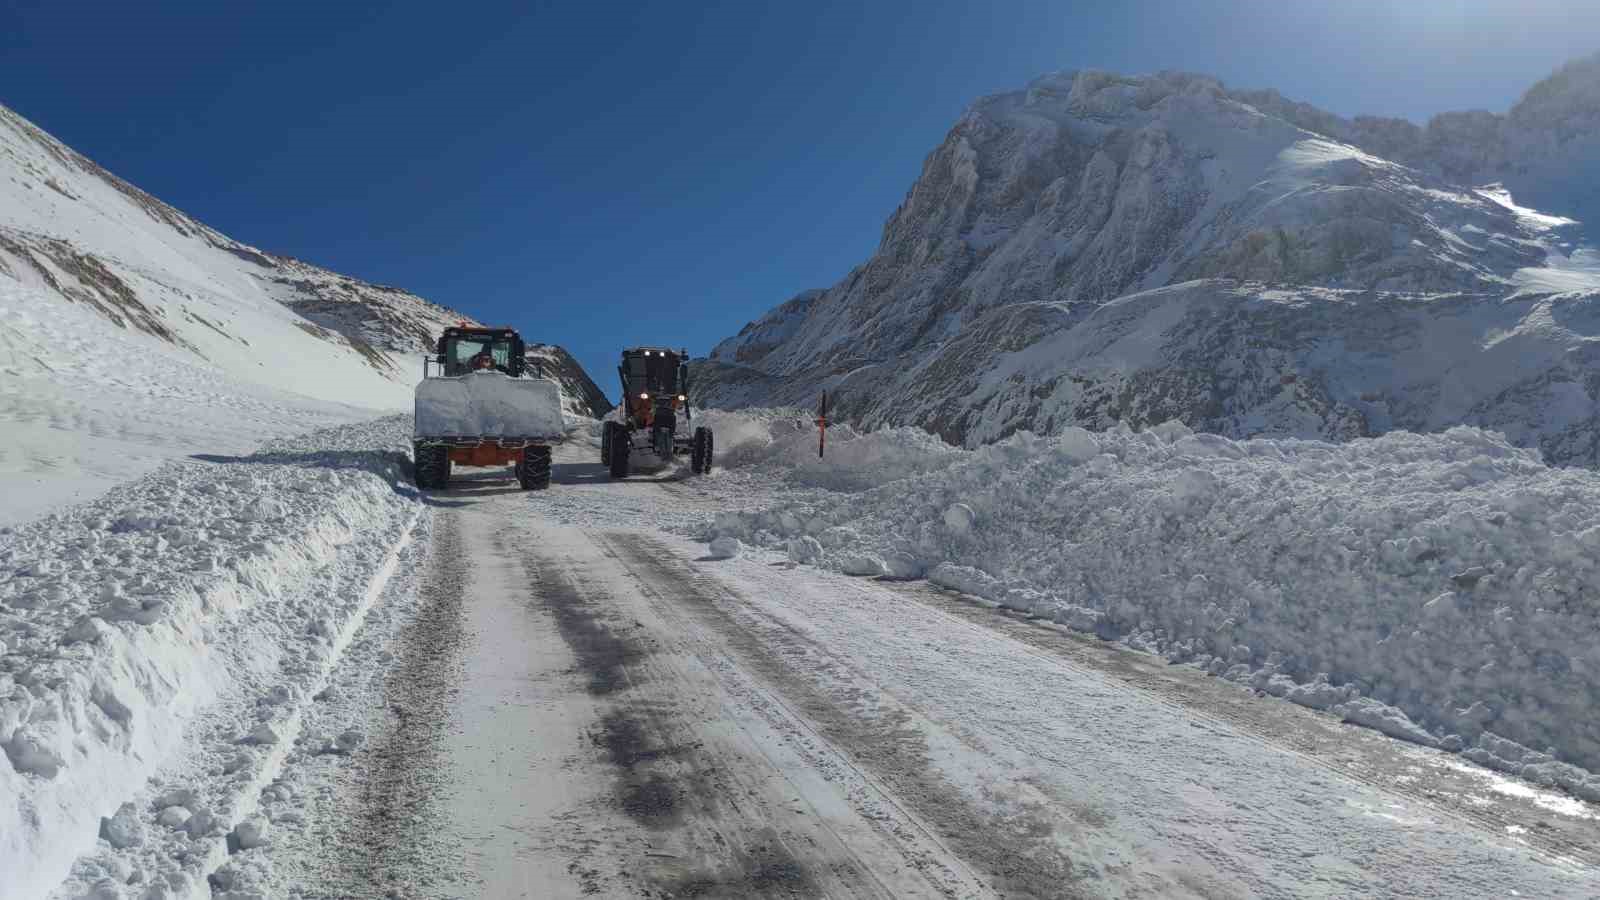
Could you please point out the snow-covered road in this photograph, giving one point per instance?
(356, 690)
(602, 710)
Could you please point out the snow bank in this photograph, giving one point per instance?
(489, 404)
(1441, 588)
(223, 584)
(786, 439)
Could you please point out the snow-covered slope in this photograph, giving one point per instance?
(580, 396)
(131, 333)
(1099, 249)
(78, 234)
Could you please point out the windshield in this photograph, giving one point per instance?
(656, 374)
(465, 354)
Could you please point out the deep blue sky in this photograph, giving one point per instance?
(602, 174)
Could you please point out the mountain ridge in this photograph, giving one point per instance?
(1059, 206)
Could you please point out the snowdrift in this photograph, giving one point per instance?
(160, 642)
(489, 404)
(1440, 587)
(786, 440)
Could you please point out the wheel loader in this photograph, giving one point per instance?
(654, 420)
(478, 406)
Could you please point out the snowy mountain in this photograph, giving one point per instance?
(1098, 249)
(580, 396)
(74, 231)
(1546, 149)
(131, 333)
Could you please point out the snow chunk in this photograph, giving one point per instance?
(862, 564)
(1077, 445)
(241, 761)
(32, 756)
(1384, 718)
(959, 518)
(203, 822)
(903, 565)
(251, 833)
(123, 829)
(726, 548)
(263, 733)
(88, 630)
(174, 817)
(349, 740)
(804, 549)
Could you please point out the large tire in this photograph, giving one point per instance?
(701, 450)
(432, 466)
(605, 442)
(533, 472)
(620, 447)
(661, 442)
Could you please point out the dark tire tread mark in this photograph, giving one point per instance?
(1015, 851)
(664, 780)
(384, 849)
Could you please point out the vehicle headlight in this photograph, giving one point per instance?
(644, 396)
(682, 398)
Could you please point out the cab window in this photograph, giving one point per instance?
(463, 350)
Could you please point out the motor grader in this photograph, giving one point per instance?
(478, 406)
(654, 419)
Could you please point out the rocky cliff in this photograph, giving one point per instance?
(1099, 249)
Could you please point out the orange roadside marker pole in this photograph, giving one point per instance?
(822, 425)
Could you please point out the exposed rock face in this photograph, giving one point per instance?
(757, 339)
(1099, 249)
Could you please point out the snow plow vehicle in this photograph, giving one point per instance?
(477, 406)
(654, 419)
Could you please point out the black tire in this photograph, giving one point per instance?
(432, 466)
(700, 451)
(533, 472)
(605, 442)
(661, 442)
(620, 447)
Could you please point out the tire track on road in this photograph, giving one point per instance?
(877, 737)
(383, 848)
(696, 799)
